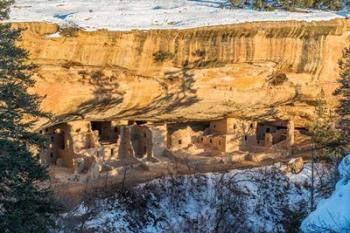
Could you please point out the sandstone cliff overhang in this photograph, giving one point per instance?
(266, 70)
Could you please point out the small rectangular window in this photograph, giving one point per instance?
(180, 142)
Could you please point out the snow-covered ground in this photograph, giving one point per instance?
(149, 14)
(333, 214)
(252, 200)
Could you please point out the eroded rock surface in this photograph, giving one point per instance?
(255, 70)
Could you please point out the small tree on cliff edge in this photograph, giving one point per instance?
(26, 202)
(334, 140)
(324, 133)
(344, 106)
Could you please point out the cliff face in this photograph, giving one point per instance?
(255, 70)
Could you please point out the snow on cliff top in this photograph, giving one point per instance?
(148, 14)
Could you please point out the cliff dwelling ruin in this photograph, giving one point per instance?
(80, 150)
(237, 93)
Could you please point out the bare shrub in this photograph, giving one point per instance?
(198, 53)
(272, 200)
(69, 64)
(239, 3)
(254, 200)
(83, 73)
(70, 30)
(96, 75)
(162, 56)
(278, 79)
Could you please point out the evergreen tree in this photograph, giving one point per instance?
(327, 139)
(344, 106)
(333, 5)
(259, 4)
(292, 4)
(26, 202)
(324, 133)
(235, 3)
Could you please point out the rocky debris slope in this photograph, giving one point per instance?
(252, 200)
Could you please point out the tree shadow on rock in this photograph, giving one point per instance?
(105, 96)
(171, 100)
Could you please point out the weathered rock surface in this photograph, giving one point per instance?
(295, 165)
(254, 70)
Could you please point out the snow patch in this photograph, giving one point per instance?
(333, 214)
(192, 203)
(54, 35)
(150, 14)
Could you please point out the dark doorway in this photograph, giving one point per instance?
(60, 139)
(104, 129)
